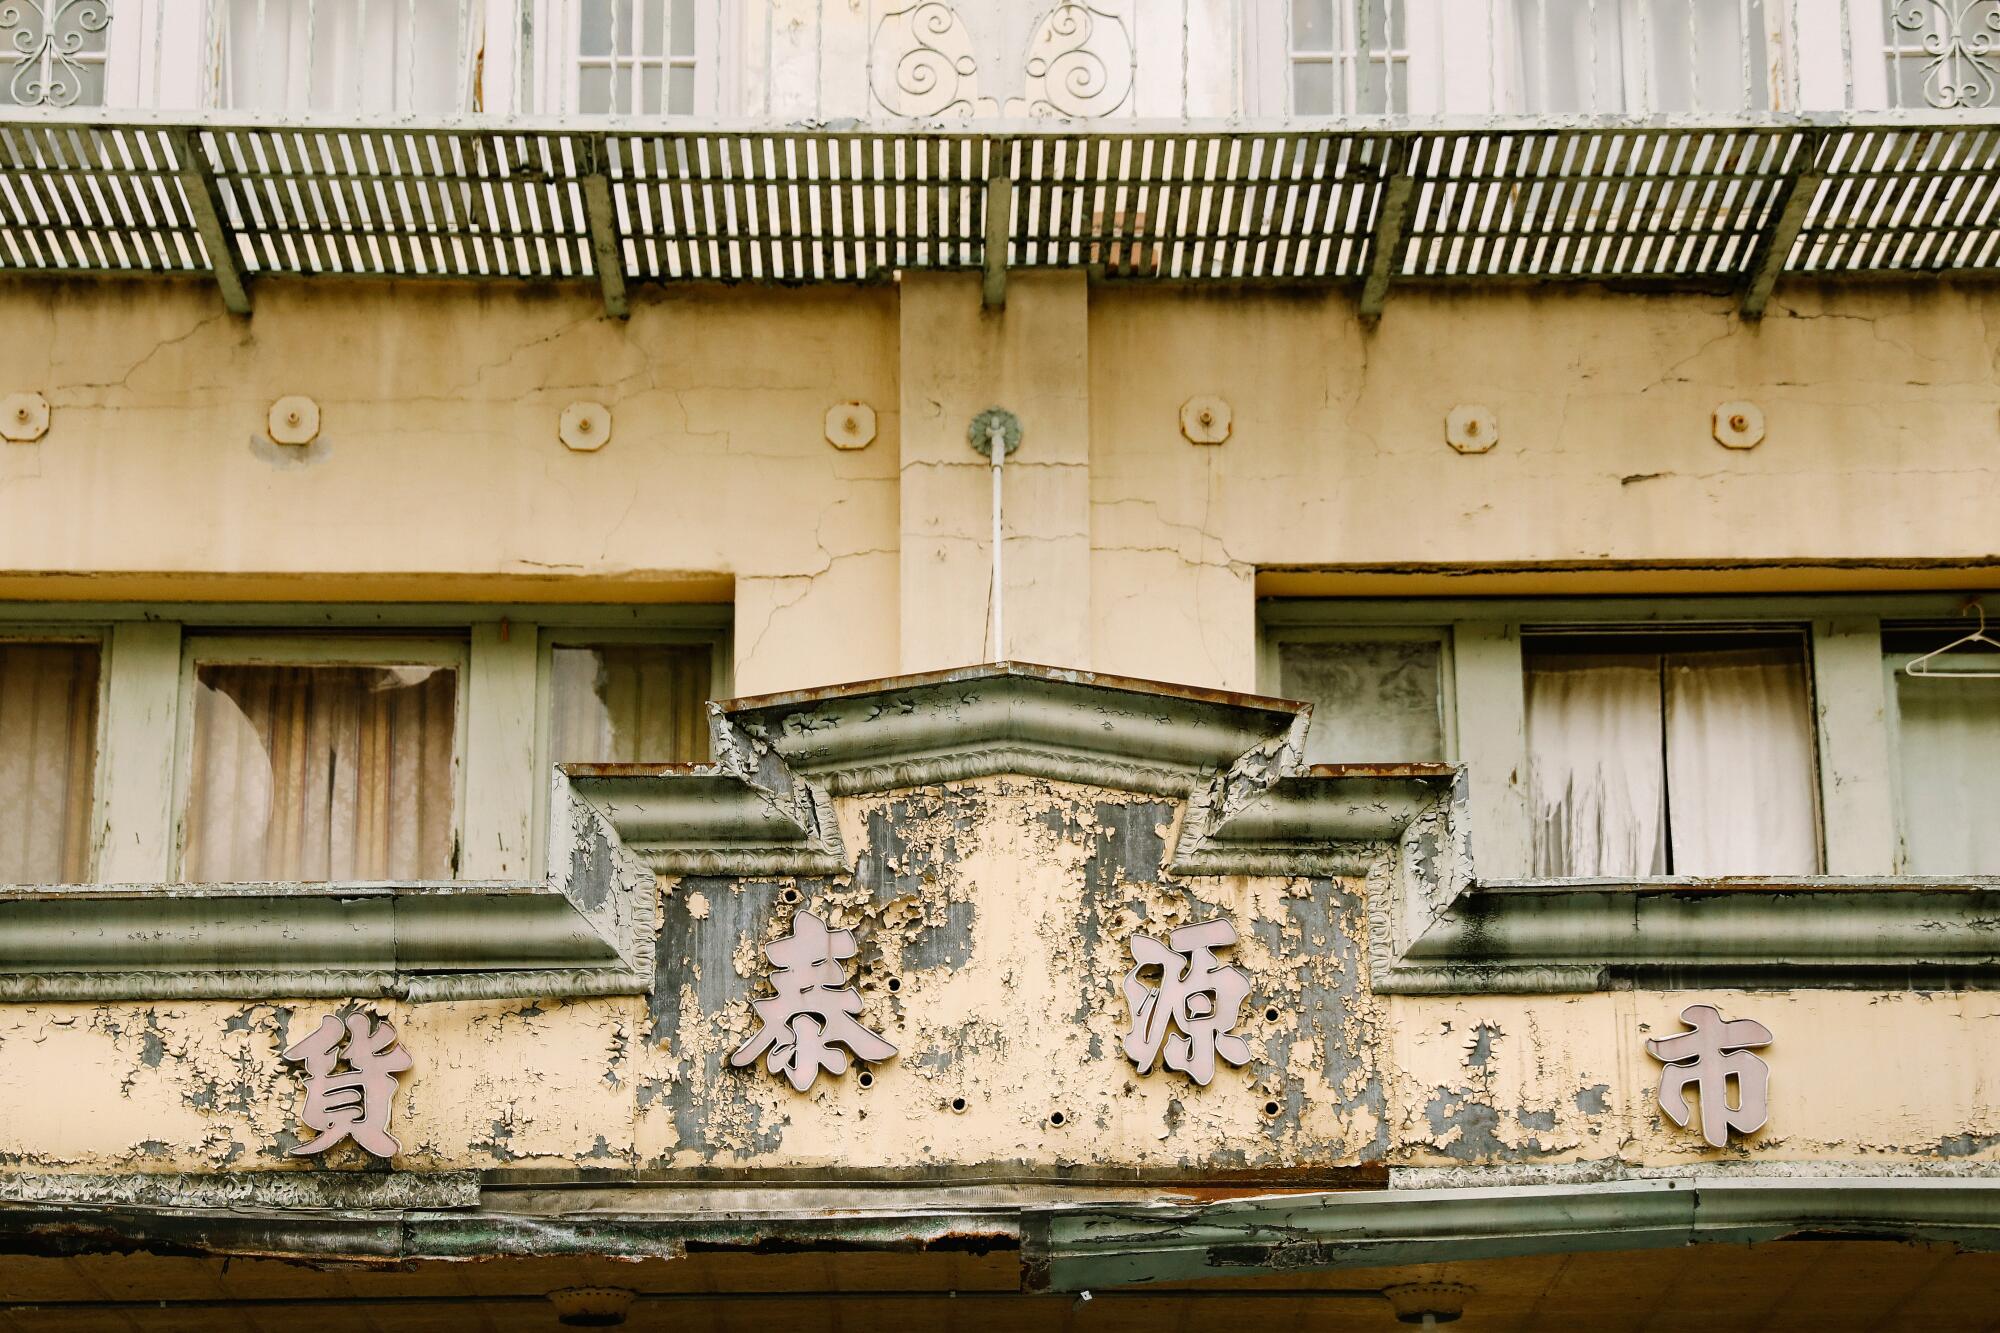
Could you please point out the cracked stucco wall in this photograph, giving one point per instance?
(1880, 405)
(438, 475)
(993, 920)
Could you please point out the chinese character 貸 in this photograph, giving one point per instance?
(355, 1102)
(814, 1007)
(1193, 1010)
(1708, 1056)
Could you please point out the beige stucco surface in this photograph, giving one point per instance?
(1004, 908)
(438, 474)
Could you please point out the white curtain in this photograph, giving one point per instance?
(1612, 56)
(364, 56)
(48, 751)
(1948, 743)
(1686, 763)
(630, 703)
(321, 773)
(1595, 783)
(1740, 764)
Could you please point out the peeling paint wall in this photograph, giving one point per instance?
(993, 920)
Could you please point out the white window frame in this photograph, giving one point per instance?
(550, 71)
(307, 648)
(100, 637)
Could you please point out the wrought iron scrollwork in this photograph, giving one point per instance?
(1958, 40)
(921, 62)
(1082, 64)
(934, 58)
(51, 45)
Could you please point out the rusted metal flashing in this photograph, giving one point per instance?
(1091, 1248)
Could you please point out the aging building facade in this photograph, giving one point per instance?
(1499, 495)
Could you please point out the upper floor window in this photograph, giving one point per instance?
(1670, 755)
(1945, 732)
(362, 56)
(48, 760)
(316, 759)
(1618, 56)
(1349, 55)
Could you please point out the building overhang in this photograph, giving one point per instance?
(1725, 204)
(1107, 1239)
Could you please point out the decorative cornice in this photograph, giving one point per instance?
(588, 929)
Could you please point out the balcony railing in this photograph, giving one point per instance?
(1082, 60)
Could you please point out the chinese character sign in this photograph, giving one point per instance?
(1709, 1056)
(814, 1010)
(351, 1102)
(1191, 1013)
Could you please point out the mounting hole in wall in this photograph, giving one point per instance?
(957, 1106)
(894, 983)
(1271, 1014)
(1058, 1119)
(1270, 1108)
(866, 1080)
(790, 895)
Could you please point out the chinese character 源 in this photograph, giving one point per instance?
(1191, 1014)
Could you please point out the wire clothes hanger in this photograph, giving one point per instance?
(1920, 666)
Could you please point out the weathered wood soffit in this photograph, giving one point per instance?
(1728, 204)
(766, 808)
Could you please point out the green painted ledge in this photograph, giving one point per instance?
(764, 807)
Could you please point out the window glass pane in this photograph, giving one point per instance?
(630, 703)
(680, 91)
(1596, 788)
(1948, 755)
(1313, 25)
(321, 773)
(683, 27)
(1675, 760)
(594, 28)
(48, 754)
(593, 89)
(1312, 88)
(1373, 702)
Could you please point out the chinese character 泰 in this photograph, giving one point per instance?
(814, 1007)
(1196, 996)
(1714, 1052)
(354, 1103)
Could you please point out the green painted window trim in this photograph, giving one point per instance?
(1855, 779)
(145, 718)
